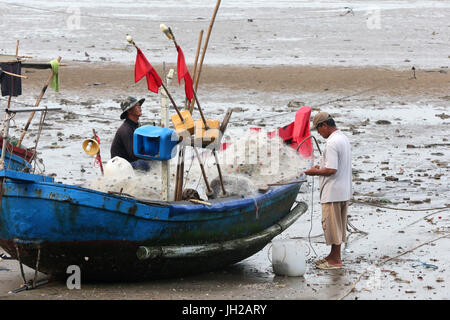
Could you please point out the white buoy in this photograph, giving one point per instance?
(119, 168)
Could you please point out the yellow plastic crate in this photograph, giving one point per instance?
(209, 135)
(186, 125)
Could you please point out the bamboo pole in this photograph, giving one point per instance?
(180, 166)
(200, 202)
(14, 75)
(37, 104)
(194, 74)
(213, 150)
(180, 175)
(206, 43)
(165, 167)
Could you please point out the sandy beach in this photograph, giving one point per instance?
(397, 123)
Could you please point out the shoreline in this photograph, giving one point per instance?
(96, 77)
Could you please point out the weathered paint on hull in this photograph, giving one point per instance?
(101, 232)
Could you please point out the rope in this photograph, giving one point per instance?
(21, 103)
(400, 209)
(304, 140)
(312, 210)
(41, 125)
(389, 259)
(322, 104)
(187, 172)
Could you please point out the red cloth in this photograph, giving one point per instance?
(183, 72)
(294, 133)
(301, 131)
(144, 68)
(284, 133)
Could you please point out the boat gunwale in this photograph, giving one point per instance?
(179, 207)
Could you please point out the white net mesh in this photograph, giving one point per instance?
(247, 164)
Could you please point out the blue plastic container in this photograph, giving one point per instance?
(155, 143)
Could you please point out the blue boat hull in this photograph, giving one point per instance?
(101, 232)
(14, 162)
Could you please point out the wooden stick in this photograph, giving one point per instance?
(206, 43)
(202, 168)
(173, 102)
(220, 172)
(191, 106)
(200, 38)
(180, 175)
(37, 104)
(285, 183)
(200, 202)
(14, 75)
(213, 151)
(200, 110)
(225, 121)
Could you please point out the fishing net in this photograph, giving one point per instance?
(248, 163)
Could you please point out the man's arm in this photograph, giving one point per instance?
(317, 171)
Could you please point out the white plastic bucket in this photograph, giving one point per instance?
(288, 257)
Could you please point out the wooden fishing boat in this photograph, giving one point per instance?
(49, 226)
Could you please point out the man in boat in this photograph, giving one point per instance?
(122, 145)
(335, 177)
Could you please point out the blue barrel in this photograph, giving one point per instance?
(155, 143)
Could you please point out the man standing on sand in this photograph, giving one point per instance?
(122, 145)
(335, 177)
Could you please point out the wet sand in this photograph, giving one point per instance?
(398, 132)
(398, 126)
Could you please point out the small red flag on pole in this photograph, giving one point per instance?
(144, 68)
(183, 72)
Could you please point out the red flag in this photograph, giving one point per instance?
(144, 68)
(183, 72)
